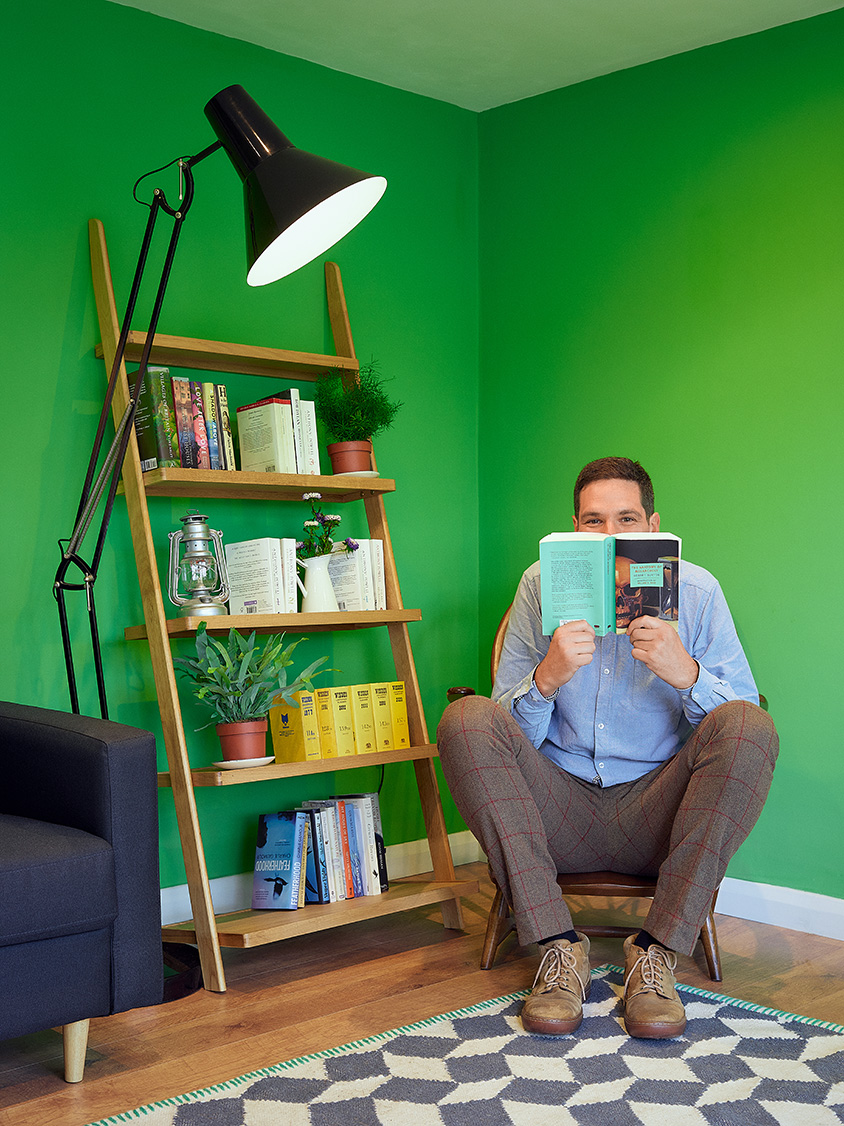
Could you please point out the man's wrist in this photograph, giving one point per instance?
(696, 675)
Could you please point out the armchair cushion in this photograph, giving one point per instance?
(54, 881)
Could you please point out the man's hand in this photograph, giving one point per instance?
(572, 647)
(657, 645)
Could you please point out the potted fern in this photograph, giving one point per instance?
(353, 410)
(240, 681)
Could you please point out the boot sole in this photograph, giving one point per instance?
(654, 1031)
(555, 1027)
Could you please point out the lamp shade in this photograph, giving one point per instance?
(297, 204)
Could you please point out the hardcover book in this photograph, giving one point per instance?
(278, 860)
(265, 435)
(381, 717)
(224, 427)
(361, 696)
(155, 421)
(188, 448)
(199, 428)
(294, 731)
(607, 580)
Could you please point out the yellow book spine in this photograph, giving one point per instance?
(381, 716)
(294, 731)
(362, 715)
(398, 714)
(325, 723)
(344, 729)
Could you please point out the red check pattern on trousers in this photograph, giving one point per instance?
(681, 822)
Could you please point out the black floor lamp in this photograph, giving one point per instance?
(297, 205)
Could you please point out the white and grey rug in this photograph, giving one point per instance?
(736, 1065)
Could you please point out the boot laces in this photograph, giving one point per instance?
(558, 964)
(652, 965)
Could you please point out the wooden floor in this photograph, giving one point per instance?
(323, 990)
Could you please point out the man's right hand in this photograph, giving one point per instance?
(572, 646)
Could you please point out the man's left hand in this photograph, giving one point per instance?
(658, 646)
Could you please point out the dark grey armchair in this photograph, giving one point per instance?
(80, 923)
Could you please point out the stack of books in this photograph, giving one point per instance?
(356, 719)
(321, 852)
(278, 435)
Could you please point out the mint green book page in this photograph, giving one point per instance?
(577, 581)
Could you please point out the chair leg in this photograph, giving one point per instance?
(498, 926)
(709, 938)
(75, 1039)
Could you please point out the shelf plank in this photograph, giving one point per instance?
(212, 776)
(220, 484)
(278, 623)
(243, 929)
(246, 359)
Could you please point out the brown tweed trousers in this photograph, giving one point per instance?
(681, 822)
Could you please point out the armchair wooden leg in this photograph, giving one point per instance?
(709, 938)
(498, 926)
(75, 1037)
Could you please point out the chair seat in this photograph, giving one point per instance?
(54, 881)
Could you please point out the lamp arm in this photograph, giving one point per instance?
(95, 482)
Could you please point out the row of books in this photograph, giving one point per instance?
(186, 423)
(182, 422)
(278, 434)
(262, 576)
(356, 719)
(320, 852)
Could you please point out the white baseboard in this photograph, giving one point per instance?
(760, 903)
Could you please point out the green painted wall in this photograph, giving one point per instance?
(104, 93)
(662, 276)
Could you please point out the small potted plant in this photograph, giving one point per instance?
(353, 410)
(240, 681)
(313, 552)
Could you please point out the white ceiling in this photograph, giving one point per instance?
(482, 53)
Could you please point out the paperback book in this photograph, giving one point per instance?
(609, 580)
(281, 848)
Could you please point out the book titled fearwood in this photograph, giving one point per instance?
(609, 580)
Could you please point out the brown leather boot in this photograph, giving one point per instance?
(652, 1008)
(561, 985)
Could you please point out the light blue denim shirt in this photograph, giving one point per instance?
(615, 720)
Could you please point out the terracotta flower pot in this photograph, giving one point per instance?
(243, 740)
(350, 457)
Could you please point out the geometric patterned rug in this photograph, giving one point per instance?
(737, 1064)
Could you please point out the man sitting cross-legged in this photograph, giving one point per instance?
(642, 753)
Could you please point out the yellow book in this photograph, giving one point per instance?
(362, 715)
(344, 725)
(398, 714)
(381, 716)
(294, 730)
(325, 723)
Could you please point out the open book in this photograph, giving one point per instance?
(609, 580)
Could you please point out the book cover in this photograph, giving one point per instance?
(224, 427)
(367, 853)
(291, 395)
(381, 716)
(325, 722)
(155, 421)
(304, 846)
(608, 580)
(256, 576)
(310, 441)
(398, 714)
(188, 449)
(316, 869)
(355, 835)
(361, 696)
(209, 409)
(199, 428)
(345, 851)
(351, 577)
(344, 726)
(290, 602)
(278, 857)
(265, 435)
(376, 551)
(294, 731)
(378, 832)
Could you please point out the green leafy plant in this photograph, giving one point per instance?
(355, 411)
(240, 681)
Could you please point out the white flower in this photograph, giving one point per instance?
(311, 524)
(311, 496)
(332, 517)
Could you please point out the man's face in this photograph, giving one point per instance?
(613, 506)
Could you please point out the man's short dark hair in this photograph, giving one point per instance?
(615, 469)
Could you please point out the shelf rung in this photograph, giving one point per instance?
(244, 929)
(211, 776)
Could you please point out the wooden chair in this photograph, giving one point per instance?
(613, 884)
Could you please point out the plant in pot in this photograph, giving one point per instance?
(240, 681)
(353, 410)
